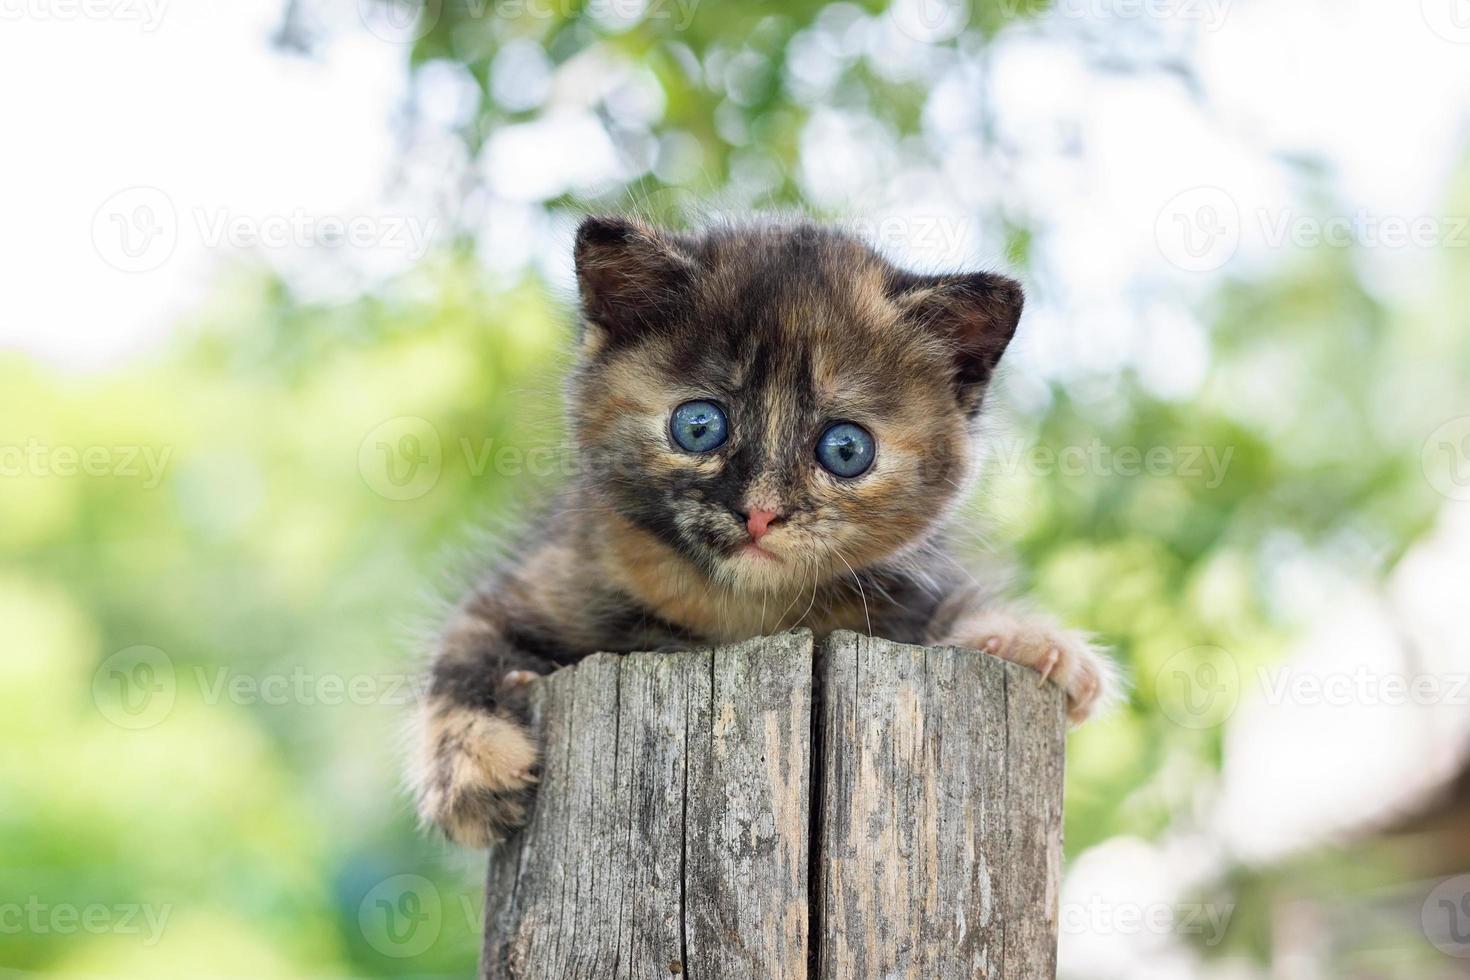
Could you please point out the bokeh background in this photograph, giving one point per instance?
(285, 299)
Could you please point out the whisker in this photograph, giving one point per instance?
(812, 604)
(863, 595)
(795, 598)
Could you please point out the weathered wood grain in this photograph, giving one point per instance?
(669, 833)
(686, 798)
(939, 815)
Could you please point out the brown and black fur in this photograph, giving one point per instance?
(790, 327)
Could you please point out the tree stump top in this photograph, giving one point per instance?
(780, 809)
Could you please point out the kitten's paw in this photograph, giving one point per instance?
(476, 774)
(1064, 657)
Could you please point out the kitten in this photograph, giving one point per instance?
(774, 424)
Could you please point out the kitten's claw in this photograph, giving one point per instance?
(518, 678)
(1048, 663)
(1062, 657)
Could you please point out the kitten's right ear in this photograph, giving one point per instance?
(631, 277)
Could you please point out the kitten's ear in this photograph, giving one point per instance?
(976, 314)
(631, 277)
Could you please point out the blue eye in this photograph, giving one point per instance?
(699, 427)
(846, 449)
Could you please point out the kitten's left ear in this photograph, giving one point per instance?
(976, 313)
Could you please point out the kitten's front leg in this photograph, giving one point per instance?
(1065, 657)
(477, 761)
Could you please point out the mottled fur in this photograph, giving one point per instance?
(789, 327)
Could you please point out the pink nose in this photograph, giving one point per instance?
(758, 522)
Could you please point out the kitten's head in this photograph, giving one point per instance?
(778, 403)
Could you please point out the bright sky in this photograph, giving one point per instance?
(150, 146)
(197, 111)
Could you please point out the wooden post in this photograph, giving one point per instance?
(771, 812)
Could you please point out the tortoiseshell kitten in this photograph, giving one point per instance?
(775, 424)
